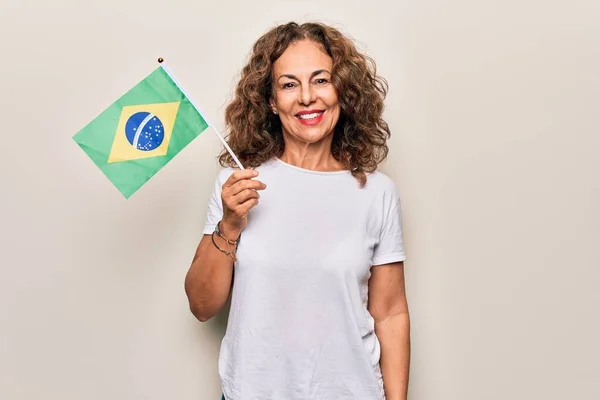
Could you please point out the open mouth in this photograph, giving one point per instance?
(310, 117)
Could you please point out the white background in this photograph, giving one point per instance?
(494, 108)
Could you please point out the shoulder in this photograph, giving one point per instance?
(224, 174)
(381, 183)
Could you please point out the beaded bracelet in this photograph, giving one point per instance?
(220, 233)
(228, 252)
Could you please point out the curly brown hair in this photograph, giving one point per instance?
(255, 133)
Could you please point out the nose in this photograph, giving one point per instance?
(307, 94)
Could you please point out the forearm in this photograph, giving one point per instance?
(208, 281)
(394, 336)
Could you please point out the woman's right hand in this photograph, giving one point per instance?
(239, 195)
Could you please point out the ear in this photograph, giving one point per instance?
(273, 106)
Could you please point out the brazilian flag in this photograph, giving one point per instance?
(142, 131)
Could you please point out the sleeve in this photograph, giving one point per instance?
(389, 247)
(214, 211)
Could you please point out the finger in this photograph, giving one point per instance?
(245, 184)
(245, 207)
(245, 195)
(240, 174)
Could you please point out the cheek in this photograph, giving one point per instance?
(334, 106)
(331, 99)
(284, 102)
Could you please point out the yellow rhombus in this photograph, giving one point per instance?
(125, 150)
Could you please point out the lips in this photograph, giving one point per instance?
(310, 117)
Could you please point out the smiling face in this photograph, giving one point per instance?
(303, 95)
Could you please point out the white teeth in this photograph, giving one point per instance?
(309, 116)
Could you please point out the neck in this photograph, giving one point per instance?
(312, 157)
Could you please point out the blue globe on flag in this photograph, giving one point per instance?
(144, 131)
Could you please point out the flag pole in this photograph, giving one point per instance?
(237, 161)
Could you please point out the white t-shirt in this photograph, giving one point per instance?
(299, 327)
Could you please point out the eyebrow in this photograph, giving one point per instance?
(315, 73)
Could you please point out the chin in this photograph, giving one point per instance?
(312, 137)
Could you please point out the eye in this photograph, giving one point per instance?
(321, 81)
(288, 85)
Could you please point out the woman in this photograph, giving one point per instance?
(318, 306)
